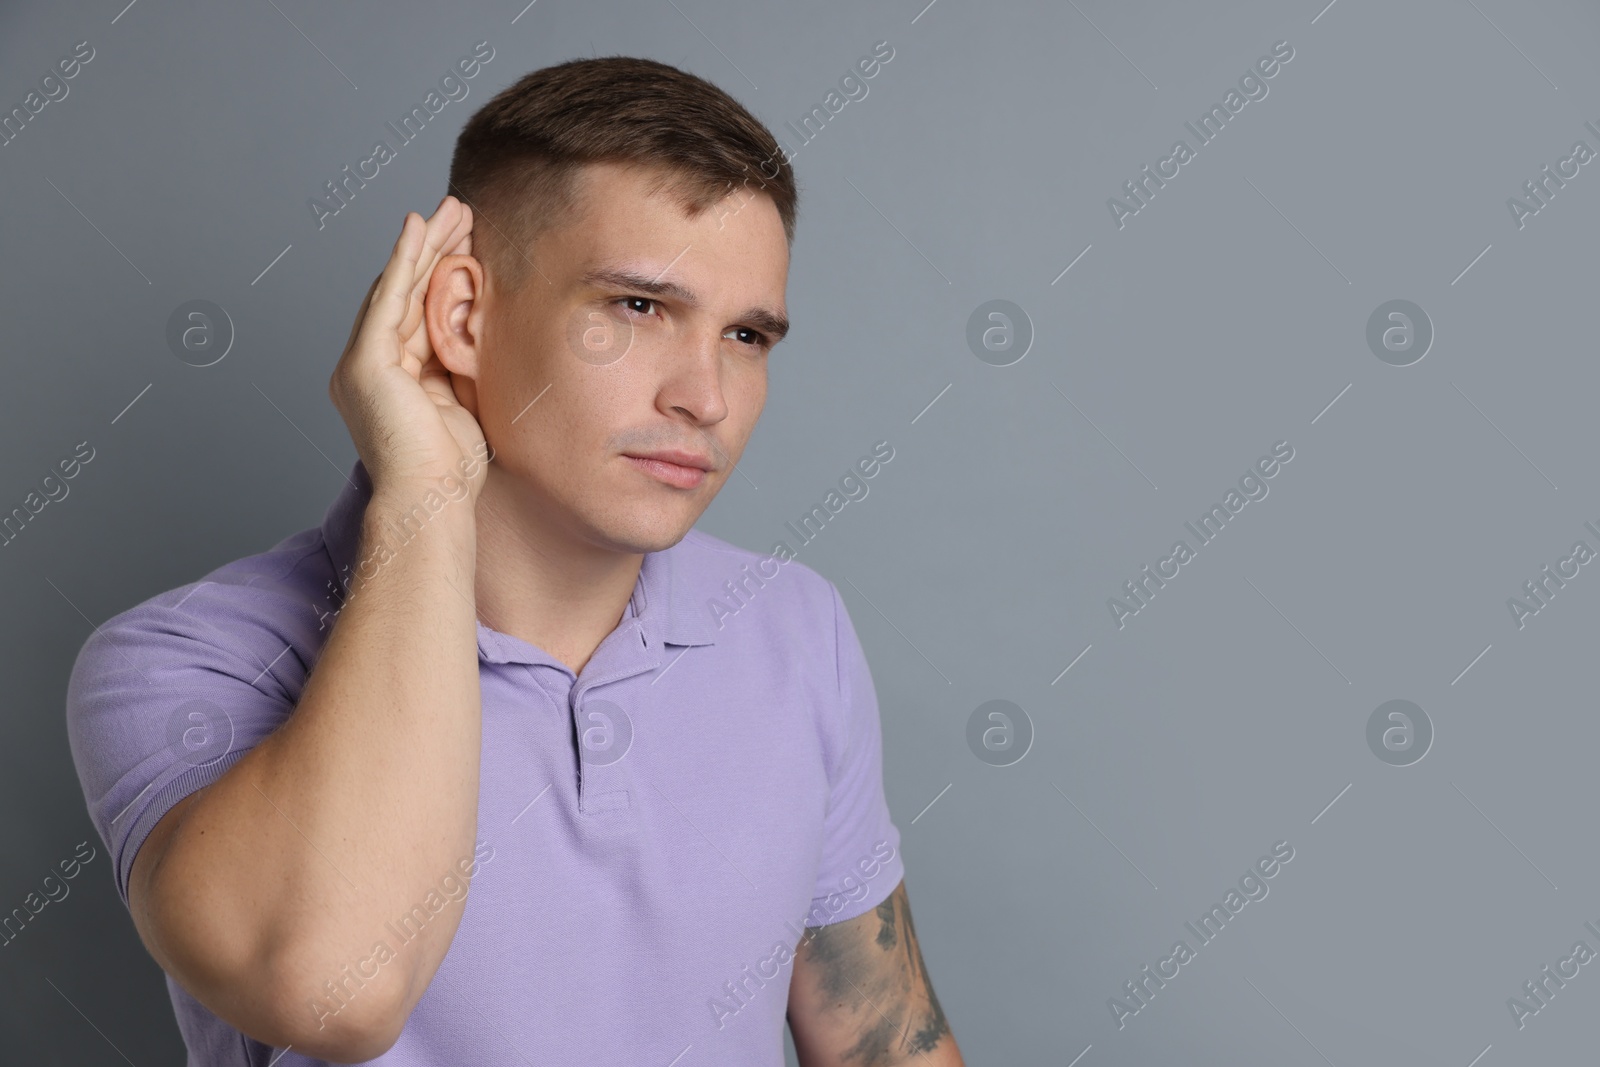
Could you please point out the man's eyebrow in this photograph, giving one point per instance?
(762, 318)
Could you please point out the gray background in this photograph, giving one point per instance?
(1226, 316)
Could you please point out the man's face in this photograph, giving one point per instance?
(584, 367)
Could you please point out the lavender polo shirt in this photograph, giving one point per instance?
(654, 833)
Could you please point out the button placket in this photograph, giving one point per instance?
(605, 736)
(605, 728)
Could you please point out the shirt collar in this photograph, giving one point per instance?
(664, 605)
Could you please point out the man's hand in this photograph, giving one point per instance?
(860, 994)
(389, 386)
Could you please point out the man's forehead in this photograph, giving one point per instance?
(620, 203)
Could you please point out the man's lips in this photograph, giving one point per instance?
(675, 456)
(682, 470)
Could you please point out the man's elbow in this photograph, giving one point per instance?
(342, 1022)
(342, 1039)
(282, 994)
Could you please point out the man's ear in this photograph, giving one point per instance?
(454, 311)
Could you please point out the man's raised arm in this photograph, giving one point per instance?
(260, 889)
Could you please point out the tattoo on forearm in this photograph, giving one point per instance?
(883, 982)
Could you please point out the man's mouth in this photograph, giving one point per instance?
(683, 470)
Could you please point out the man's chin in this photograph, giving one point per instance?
(647, 532)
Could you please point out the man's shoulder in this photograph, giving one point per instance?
(165, 695)
(280, 595)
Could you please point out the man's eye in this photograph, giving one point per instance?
(629, 300)
(755, 338)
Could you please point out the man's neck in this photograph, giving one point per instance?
(538, 583)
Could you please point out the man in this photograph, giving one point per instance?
(496, 658)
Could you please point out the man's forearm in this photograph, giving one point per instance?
(293, 862)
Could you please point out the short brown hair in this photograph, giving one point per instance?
(518, 156)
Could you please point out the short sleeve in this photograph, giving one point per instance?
(861, 863)
(168, 695)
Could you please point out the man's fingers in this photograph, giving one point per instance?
(389, 302)
(435, 381)
(443, 232)
(438, 230)
(463, 246)
(361, 315)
